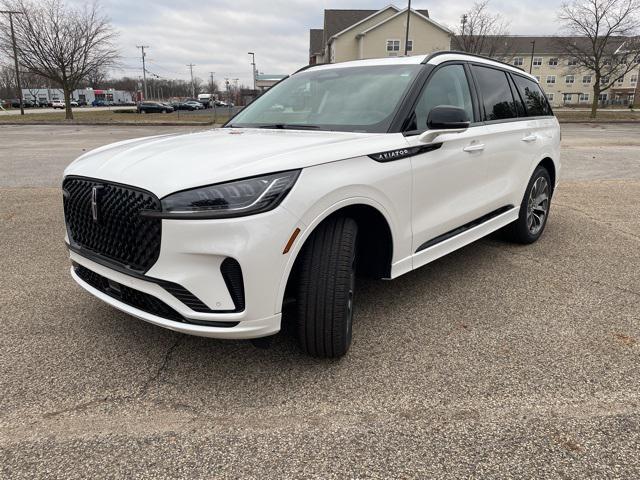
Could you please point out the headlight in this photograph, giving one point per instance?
(233, 199)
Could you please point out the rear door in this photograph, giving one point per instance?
(505, 134)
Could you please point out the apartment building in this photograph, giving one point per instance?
(360, 34)
(564, 82)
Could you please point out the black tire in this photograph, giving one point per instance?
(326, 287)
(521, 231)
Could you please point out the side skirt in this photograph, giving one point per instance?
(464, 235)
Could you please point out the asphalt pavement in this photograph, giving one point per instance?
(497, 361)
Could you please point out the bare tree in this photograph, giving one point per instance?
(62, 43)
(481, 32)
(603, 40)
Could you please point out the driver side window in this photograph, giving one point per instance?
(447, 86)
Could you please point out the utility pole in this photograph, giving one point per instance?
(211, 74)
(406, 38)
(193, 87)
(15, 55)
(144, 69)
(533, 51)
(253, 67)
(226, 85)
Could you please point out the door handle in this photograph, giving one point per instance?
(530, 138)
(476, 147)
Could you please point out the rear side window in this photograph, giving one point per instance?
(496, 93)
(534, 99)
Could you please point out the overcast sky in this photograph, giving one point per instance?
(217, 34)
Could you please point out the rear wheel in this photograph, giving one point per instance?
(326, 289)
(534, 209)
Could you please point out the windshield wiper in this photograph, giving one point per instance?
(290, 126)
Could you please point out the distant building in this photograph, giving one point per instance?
(359, 34)
(563, 81)
(88, 95)
(264, 82)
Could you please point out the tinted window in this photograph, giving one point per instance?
(496, 94)
(534, 99)
(447, 86)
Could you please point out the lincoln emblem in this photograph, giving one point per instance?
(94, 203)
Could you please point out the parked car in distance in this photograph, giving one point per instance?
(82, 103)
(194, 105)
(220, 103)
(373, 167)
(58, 104)
(154, 107)
(98, 103)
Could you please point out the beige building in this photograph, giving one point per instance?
(359, 34)
(565, 83)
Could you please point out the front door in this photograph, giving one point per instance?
(449, 184)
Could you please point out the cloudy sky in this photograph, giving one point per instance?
(216, 35)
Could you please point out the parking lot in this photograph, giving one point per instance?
(498, 361)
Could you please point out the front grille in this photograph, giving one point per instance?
(135, 298)
(118, 234)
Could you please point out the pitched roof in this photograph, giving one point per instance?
(337, 20)
(315, 40)
(404, 12)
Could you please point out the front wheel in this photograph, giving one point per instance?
(326, 289)
(534, 209)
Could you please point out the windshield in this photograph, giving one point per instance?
(355, 99)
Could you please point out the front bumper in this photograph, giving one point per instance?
(191, 254)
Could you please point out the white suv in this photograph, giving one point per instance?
(373, 166)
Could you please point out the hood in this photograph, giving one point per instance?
(168, 163)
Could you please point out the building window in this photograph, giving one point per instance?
(553, 62)
(586, 79)
(604, 80)
(393, 45)
(584, 97)
(569, 79)
(602, 97)
(409, 45)
(567, 97)
(537, 61)
(572, 62)
(518, 61)
(551, 79)
(632, 96)
(550, 97)
(621, 80)
(634, 79)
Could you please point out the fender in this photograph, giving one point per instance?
(308, 228)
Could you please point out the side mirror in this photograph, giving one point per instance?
(445, 119)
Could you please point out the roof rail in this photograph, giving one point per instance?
(306, 67)
(457, 52)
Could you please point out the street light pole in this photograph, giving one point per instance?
(15, 55)
(253, 68)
